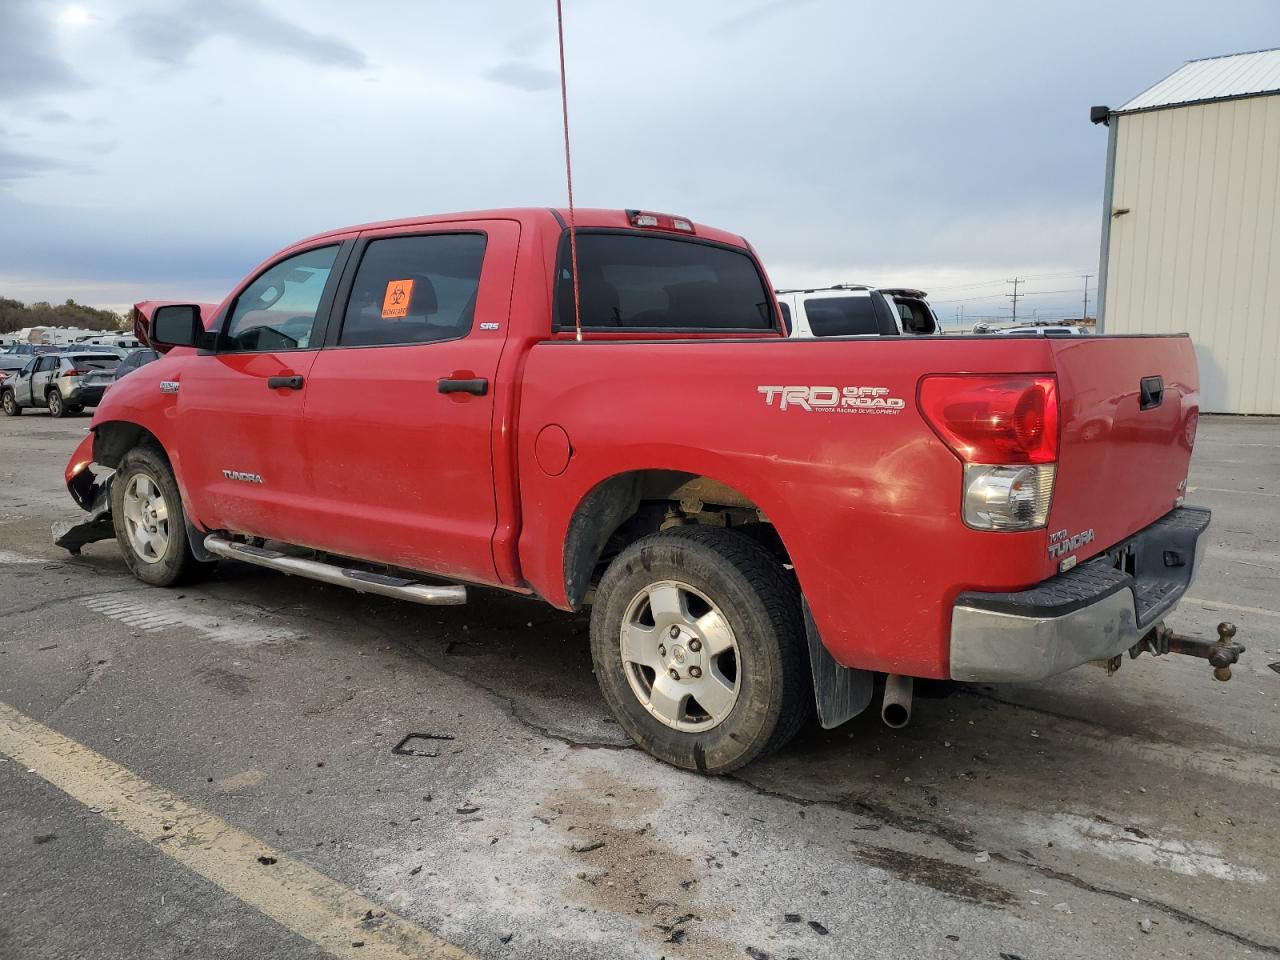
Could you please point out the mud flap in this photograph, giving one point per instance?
(841, 693)
(71, 535)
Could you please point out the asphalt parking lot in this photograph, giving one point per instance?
(208, 772)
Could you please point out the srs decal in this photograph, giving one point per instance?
(866, 400)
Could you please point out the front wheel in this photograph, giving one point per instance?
(10, 403)
(146, 510)
(699, 648)
(57, 407)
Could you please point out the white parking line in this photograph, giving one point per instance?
(1246, 493)
(1216, 605)
(8, 557)
(334, 917)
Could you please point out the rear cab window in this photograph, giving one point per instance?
(641, 282)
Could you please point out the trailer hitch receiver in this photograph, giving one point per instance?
(1220, 653)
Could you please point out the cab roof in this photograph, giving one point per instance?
(586, 218)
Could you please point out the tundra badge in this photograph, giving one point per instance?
(241, 475)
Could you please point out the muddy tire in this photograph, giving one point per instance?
(146, 510)
(698, 643)
(10, 404)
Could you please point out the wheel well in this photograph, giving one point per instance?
(113, 439)
(628, 506)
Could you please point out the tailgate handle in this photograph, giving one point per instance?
(1152, 393)
(290, 383)
(478, 386)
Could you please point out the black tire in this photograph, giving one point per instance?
(75, 409)
(57, 406)
(761, 603)
(10, 403)
(177, 564)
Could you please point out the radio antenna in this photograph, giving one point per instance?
(568, 176)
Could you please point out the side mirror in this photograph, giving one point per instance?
(177, 325)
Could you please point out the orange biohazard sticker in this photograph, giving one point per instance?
(395, 302)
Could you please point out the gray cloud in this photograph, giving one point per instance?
(28, 65)
(524, 76)
(740, 22)
(54, 116)
(170, 36)
(19, 166)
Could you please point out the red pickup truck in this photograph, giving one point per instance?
(761, 525)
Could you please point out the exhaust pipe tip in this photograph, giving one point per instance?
(895, 711)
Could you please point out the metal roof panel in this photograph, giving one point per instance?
(1215, 78)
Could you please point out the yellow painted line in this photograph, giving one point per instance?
(1260, 611)
(294, 895)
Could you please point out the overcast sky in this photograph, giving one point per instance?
(161, 149)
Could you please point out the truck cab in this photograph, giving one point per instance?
(857, 310)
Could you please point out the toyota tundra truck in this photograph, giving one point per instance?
(613, 416)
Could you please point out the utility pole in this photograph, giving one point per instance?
(1015, 281)
(1085, 315)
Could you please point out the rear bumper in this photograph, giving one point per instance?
(85, 396)
(1094, 612)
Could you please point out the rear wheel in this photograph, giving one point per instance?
(699, 648)
(57, 407)
(10, 404)
(150, 526)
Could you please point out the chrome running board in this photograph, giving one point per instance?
(358, 580)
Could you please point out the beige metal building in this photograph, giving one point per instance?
(1191, 225)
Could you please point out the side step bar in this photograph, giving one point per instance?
(358, 580)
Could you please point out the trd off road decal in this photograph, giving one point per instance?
(872, 400)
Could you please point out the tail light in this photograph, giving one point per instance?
(1005, 431)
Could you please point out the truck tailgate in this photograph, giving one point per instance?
(1125, 451)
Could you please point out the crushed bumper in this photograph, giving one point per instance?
(1097, 611)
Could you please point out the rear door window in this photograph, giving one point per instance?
(841, 316)
(415, 289)
(641, 282)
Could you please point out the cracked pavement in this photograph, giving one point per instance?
(1084, 816)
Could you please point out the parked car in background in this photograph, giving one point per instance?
(62, 382)
(135, 359)
(31, 349)
(1044, 330)
(9, 365)
(857, 310)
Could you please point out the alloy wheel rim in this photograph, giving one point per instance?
(680, 656)
(146, 517)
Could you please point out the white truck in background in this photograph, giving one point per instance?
(855, 309)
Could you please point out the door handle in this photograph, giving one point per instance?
(289, 383)
(478, 386)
